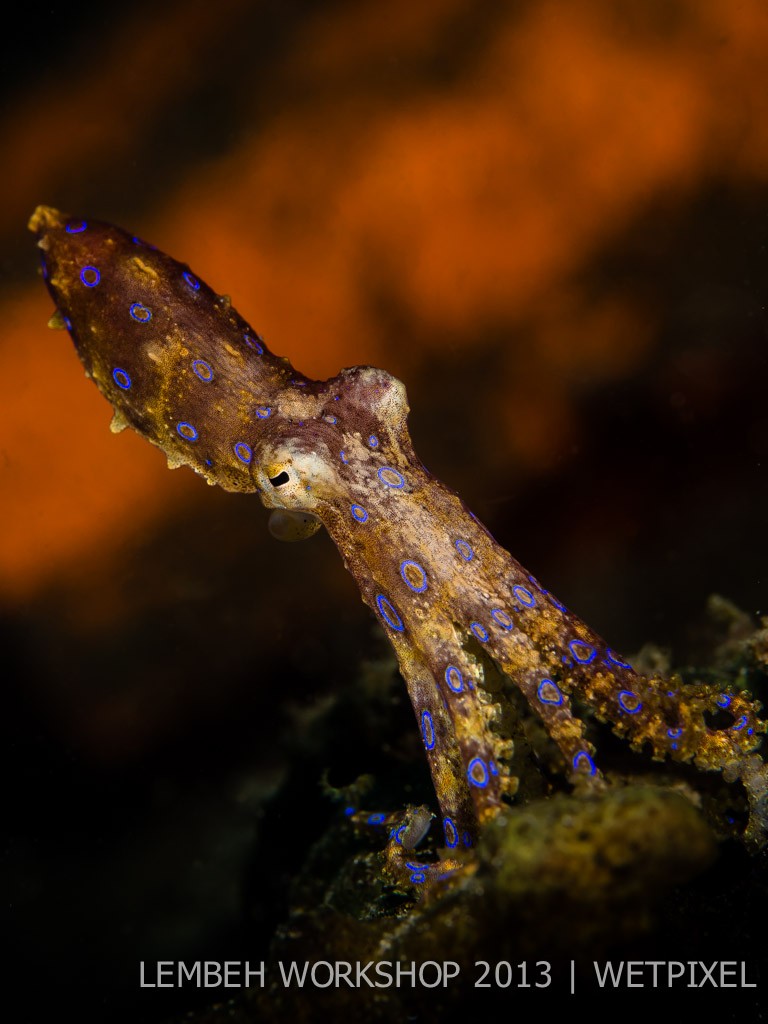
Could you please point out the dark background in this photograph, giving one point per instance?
(548, 219)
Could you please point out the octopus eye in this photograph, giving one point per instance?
(280, 479)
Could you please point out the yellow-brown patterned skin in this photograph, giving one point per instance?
(181, 367)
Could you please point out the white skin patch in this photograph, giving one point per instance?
(296, 480)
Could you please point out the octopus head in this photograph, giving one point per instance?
(296, 482)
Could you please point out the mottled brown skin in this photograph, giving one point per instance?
(181, 367)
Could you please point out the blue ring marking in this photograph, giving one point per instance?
(451, 833)
(44, 267)
(740, 724)
(464, 550)
(330, 419)
(423, 583)
(386, 609)
(492, 768)
(75, 227)
(625, 702)
(454, 679)
(582, 757)
(202, 370)
(191, 281)
(549, 693)
(674, 733)
(344, 458)
(121, 378)
(396, 834)
(580, 656)
(529, 600)
(68, 323)
(244, 452)
(359, 513)
(466, 838)
(418, 877)
(501, 618)
(263, 411)
(373, 441)
(552, 598)
(479, 630)
(376, 819)
(186, 430)
(251, 342)
(428, 730)
(611, 657)
(349, 811)
(140, 313)
(400, 482)
(477, 773)
(724, 700)
(90, 277)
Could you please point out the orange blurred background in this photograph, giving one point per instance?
(544, 218)
(547, 218)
